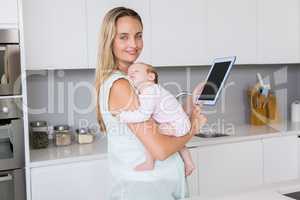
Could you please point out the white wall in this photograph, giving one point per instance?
(231, 109)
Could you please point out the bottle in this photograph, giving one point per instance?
(84, 136)
(63, 135)
(39, 134)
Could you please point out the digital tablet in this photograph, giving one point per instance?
(215, 80)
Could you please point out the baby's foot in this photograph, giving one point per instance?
(144, 166)
(189, 168)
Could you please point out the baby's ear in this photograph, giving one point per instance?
(151, 76)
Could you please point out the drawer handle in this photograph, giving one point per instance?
(6, 178)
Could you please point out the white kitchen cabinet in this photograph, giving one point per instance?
(231, 30)
(298, 155)
(55, 34)
(229, 167)
(193, 179)
(280, 159)
(195, 32)
(77, 181)
(95, 13)
(178, 32)
(9, 12)
(278, 31)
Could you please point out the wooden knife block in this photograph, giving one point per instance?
(263, 110)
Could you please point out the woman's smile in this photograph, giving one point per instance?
(132, 51)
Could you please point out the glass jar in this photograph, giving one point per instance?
(62, 135)
(39, 134)
(84, 136)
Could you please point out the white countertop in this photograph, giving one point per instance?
(98, 149)
(72, 153)
(248, 132)
(267, 192)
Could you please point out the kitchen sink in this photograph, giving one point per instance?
(211, 135)
(294, 195)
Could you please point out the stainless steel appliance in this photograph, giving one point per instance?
(10, 70)
(11, 135)
(12, 161)
(12, 185)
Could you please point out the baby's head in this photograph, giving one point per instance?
(140, 73)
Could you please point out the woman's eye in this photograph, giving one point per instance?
(123, 37)
(139, 36)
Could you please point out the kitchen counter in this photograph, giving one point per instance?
(267, 192)
(72, 153)
(98, 149)
(248, 132)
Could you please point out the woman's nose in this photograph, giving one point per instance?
(132, 43)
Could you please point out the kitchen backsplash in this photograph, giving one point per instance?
(67, 96)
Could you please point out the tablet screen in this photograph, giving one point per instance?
(214, 80)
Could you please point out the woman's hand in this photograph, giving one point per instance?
(190, 100)
(197, 120)
(197, 91)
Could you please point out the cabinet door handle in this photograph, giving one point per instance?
(192, 147)
(8, 177)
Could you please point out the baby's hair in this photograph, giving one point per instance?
(151, 69)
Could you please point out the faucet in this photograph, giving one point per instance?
(183, 93)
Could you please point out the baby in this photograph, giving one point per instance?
(162, 106)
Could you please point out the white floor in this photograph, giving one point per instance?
(269, 192)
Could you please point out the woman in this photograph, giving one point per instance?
(120, 45)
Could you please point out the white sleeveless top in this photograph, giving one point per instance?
(165, 182)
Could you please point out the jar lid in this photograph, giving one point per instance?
(82, 130)
(62, 128)
(38, 123)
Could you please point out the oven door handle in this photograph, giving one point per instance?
(6, 178)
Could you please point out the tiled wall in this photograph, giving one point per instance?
(65, 97)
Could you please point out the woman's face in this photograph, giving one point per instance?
(128, 42)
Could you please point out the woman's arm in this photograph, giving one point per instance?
(147, 101)
(160, 146)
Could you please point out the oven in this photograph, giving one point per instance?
(12, 156)
(10, 68)
(12, 185)
(11, 137)
(12, 153)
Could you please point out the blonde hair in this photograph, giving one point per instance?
(106, 61)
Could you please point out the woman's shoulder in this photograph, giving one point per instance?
(122, 94)
(118, 82)
(115, 76)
